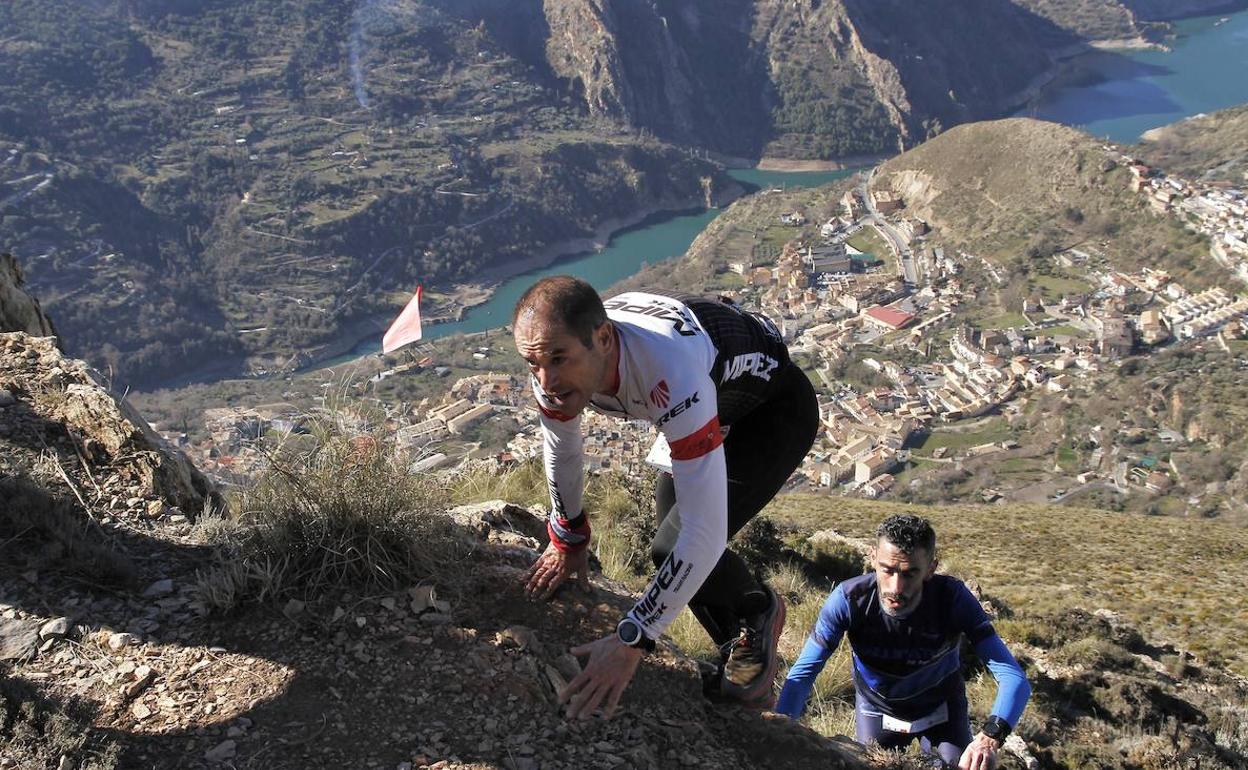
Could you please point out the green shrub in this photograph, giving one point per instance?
(759, 544)
(835, 560)
(1094, 654)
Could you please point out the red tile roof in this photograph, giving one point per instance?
(895, 319)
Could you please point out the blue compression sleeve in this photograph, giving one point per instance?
(801, 679)
(1013, 689)
(829, 628)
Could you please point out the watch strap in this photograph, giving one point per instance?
(996, 728)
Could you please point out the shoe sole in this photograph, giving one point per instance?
(762, 694)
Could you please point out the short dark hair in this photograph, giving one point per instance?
(569, 300)
(908, 533)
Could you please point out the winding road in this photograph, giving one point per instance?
(898, 244)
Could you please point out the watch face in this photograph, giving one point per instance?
(629, 632)
(993, 730)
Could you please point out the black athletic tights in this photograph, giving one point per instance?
(762, 450)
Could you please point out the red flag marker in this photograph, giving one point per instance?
(406, 328)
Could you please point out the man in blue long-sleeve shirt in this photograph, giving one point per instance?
(905, 624)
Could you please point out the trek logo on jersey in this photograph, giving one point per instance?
(660, 394)
(650, 609)
(755, 364)
(676, 410)
(680, 317)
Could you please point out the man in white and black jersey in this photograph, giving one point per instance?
(737, 417)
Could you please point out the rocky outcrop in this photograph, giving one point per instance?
(689, 72)
(57, 412)
(61, 425)
(20, 312)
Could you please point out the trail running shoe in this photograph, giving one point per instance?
(750, 670)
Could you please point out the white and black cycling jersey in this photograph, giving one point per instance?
(691, 366)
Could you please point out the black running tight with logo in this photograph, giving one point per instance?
(762, 449)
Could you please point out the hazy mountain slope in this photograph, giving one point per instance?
(196, 183)
(1017, 189)
(225, 184)
(1210, 147)
(1124, 21)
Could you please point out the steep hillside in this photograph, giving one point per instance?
(1209, 147)
(1098, 20)
(806, 79)
(1103, 610)
(1018, 189)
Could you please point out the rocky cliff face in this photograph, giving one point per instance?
(61, 426)
(829, 79)
(20, 312)
(691, 72)
(826, 78)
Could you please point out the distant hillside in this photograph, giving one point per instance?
(1162, 10)
(1014, 190)
(1124, 21)
(187, 184)
(1100, 20)
(1210, 147)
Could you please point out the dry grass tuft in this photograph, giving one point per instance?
(524, 485)
(347, 512)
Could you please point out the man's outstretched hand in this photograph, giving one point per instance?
(980, 755)
(553, 567)
(610, 668)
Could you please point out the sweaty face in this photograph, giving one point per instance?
(567, 372)
(900, 576)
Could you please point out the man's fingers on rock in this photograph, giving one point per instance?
(576, 684)
(613, 701)
(553, 580)
(592, 698)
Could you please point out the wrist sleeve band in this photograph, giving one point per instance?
(568, 536)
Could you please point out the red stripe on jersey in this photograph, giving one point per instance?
(701, 442)
(552, 414)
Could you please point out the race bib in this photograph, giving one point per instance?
(937, 717)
